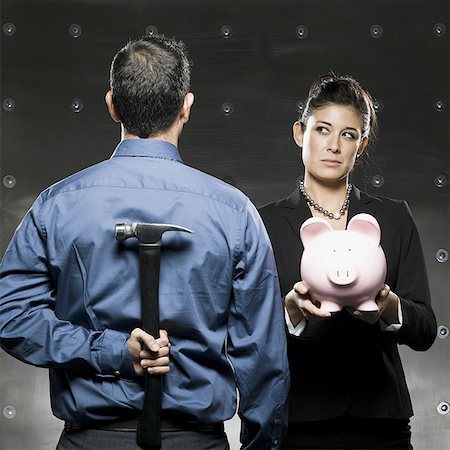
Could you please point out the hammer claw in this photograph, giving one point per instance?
(146, 233)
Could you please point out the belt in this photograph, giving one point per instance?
(169, 422)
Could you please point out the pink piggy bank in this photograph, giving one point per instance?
(343, 268)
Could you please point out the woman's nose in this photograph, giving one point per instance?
(333, 144)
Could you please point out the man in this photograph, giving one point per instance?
(70, 296)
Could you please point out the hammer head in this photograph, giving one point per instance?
(146, 233)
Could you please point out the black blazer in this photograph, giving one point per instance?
(343, 365)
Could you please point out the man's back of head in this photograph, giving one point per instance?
(149, 79)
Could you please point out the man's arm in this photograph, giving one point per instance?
(257, 346)
(29, 328)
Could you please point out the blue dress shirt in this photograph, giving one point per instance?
(69, 294)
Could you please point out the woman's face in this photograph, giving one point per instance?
(331, 142)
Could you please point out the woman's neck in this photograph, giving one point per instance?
(330, 197)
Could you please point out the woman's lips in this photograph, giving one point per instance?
(331, 162)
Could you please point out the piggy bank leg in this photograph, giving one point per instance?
(330, 306)
(367, 305)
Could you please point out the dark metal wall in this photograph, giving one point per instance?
(254, 61)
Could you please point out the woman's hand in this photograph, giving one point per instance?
(387, 302)
(149, 354)
(300, 305)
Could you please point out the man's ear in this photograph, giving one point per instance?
(186, 108)
(111, 108)
(297, 132)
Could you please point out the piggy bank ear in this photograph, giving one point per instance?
(312, 228)
(367, 225)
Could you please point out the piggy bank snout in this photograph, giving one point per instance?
(342, 275)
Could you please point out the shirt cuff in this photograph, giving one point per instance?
(295, 331)
(393, 326)
(114, 358)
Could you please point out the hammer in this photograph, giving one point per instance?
(149, 236)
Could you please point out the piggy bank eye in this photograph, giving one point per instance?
(349, 249)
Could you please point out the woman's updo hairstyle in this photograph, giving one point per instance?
(341, 90)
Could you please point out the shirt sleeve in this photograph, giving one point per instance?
(295, 331)
(393, 326)
(30, 329)
(257, 339)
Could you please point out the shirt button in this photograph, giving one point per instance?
(117, 373)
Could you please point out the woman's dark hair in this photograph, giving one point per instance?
(149, 79)
(341, 90)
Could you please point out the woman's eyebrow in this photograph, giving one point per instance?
(328, 123)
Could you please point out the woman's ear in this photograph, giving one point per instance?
(111, 108)
(362, 146)
(297, 132)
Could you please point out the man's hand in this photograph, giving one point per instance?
(148, 353)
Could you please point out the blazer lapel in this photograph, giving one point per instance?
(296, 211)
(359, 203)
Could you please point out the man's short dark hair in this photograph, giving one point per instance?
(149, 78)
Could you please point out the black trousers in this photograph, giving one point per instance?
(349, 433)
(176, 434)
(91, 439)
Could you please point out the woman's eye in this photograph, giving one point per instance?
(322, 130)
(349, 135)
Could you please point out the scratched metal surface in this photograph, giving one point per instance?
(253, 64)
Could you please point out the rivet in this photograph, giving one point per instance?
(440, 104)
(443, 331)
(376, 31)
(151, 30)
(442, 255)
(9, 29)
(75, 30)
(226, 31)
(378, 180)
(9, 104)
(441, 180)
(227, 108)
(302, 31)
(9, 412)
(9, 181)
(439, 29)
(378, 105)
(76, 105)
(300, 106)
(443, 408)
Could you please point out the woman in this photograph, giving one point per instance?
(348, 389)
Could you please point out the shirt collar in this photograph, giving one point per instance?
(153, 148)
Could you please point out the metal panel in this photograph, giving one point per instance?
(253, 64)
